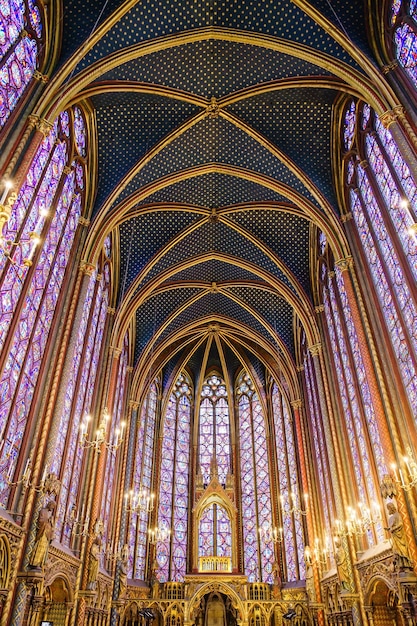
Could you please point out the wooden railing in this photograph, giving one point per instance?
(215, 564)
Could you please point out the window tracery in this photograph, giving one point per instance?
(403, 23)
(360, 422)
(214, 429)
(258, 550)
(173, 491)
(142, 481)
(79, 401)
(21, 39)
(49, 203)
(288, 486)
(383, 201)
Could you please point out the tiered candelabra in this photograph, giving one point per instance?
(358, 521)
(142, 500)
(99, 440)
(406, 478)
(269, 534)
(294, 507)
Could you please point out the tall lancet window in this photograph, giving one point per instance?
(290, 496)
(33, 278)
(403, 24)
(382, 196)
(215, 532)
(21, 42)
(214, 430)
(142, 484)
(356, 404)
(173, 488)
(258, 550)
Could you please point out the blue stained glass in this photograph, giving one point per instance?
(406, 50)
(19, 57)
(350, 121)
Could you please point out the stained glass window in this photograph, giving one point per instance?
(173, 491)
(142, 485)
(403, 19)
(21, 31)
(383, 197)
(49, 203)
(358, 410)
(214, 429)
(79, 403)
(258, 549)
(215, 532)
(288, 488)
(319, 442)
(116, 432)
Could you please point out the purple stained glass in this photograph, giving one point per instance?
(395, 9)
(142, 482)
(107, 246)
(319, 442)
(255, 486)
(398, 212)
(19, 56)
(12, 15)
(214, 429)
(374, 237)
(349, 127)
(115, 429)
(71, 462)
(405, 40)
(173, 490)
(366, 113)
(29, 209)
(79, 131)
(28, 346)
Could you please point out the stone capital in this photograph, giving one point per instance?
(344, 264)
(296, 404)
(316, 349)
(87, 268)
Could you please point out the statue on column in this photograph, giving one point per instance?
(44, 536)
(276, 581)
(94, 556)
(154, 579)
(342, 565)
(399, 541)
(123, 570)
(93, 564)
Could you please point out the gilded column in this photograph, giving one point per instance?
(397, 122)
(296, 405)
(128, 466)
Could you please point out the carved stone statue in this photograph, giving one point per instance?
(93, 564)
(154, 579)
(123, 571)
(44, 536)
(276, 581)
(399, 539)
(310, 588)
(342, 566)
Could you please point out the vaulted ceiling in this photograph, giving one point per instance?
(215, 128)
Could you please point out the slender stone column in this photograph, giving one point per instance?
(131, 429)
(403, 133)
(296, 405)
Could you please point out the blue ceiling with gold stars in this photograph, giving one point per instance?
(214, 138)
